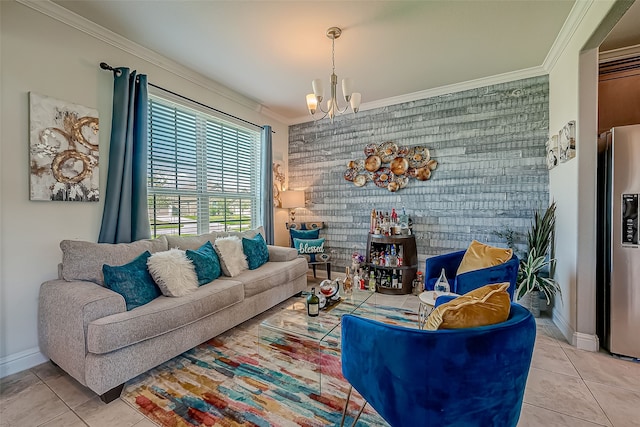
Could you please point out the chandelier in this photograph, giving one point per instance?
(314, 100)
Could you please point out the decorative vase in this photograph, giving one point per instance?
(531, 301)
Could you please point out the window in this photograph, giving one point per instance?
(202, 172)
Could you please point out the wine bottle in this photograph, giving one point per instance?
(394, 279)
(313, 304)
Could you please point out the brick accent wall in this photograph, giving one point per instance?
(490, 146)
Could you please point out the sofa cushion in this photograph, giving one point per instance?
(194, 242)
(478, 256)
(487, 305)
(173, 272)
(206, 262)
(232, 259)
(162, 315)
(303, 234)
(132, 281)
(270, 275)
(255, 250)
(84, 260)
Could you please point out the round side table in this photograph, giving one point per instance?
(428, 303)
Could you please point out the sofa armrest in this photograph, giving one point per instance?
(281, 254)
(65, 310)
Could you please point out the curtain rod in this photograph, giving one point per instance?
(108, 67)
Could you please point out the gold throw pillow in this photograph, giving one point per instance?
(487, 305)
(479, 255)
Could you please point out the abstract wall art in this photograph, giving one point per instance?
(64, 154)
(278, 183)
(567, 142)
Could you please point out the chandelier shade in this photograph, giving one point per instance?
(314, 100)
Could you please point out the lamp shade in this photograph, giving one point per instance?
(292, 199)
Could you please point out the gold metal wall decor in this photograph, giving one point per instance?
(390, 166)
(64, 150)
(278, 183)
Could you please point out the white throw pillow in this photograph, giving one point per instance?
(173, 272)
(232, 258)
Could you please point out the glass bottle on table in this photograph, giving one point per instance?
(442, 285)
(347, 285)
(313, 304)
(372, 281)
(355, 281)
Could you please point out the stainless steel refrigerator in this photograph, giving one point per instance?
(618, 268)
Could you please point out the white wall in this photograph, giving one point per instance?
(44, 55)
(572, 184)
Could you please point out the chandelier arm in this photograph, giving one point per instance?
(343, 110)
(313, 116)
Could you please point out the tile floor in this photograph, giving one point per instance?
(566, 388)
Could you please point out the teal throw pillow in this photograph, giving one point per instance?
(310, 247)
(256, 251)
(303, 234)
(133, 281)
(206, 262)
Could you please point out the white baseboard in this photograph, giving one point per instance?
(21, 361)
(586, 342)
(579, 340)
(563, 326)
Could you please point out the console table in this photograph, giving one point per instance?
(408, 269)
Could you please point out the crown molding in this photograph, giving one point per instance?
(621, 53)
(78, 22)
(445, 90)
(571, 24)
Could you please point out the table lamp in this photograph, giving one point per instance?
(292, 199)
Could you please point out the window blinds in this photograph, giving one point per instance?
(202, 171)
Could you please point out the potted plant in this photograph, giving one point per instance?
(533, 274)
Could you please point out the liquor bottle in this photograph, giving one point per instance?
(372, 225)
(393, 257)
(387, 257)
(394, 217)
(372, 281)
(404, 221)
(347, 285)
(384, 282)
(394, 279)
(442, 285)
(355, 281)
(313, 304)
(381, 258)
(400, 256)
(363, 282)
(417, 285)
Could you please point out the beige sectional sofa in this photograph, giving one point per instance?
(85, 328)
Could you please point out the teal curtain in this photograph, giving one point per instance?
(266, 171)
(125, 218)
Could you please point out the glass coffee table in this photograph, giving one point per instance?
(313, 341)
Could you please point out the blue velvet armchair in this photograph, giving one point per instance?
(463, 283)
(454, 377)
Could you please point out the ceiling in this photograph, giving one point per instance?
(269, 51)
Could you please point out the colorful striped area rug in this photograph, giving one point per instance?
(250, 376)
